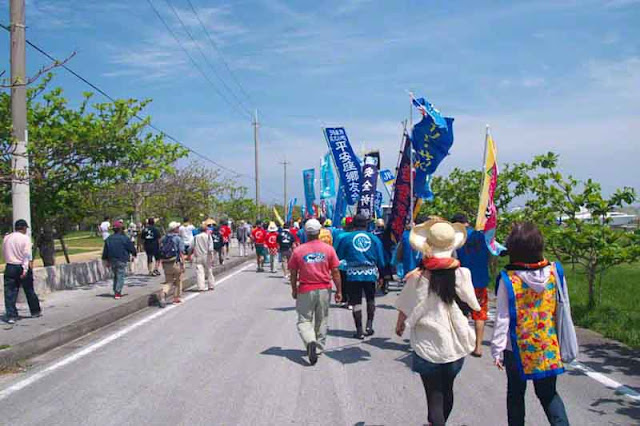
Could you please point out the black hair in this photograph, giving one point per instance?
(443, 283)
(360, 221)
(151, 221)
(525, 243)
(185, 219)
(106, 218)
(459, 218)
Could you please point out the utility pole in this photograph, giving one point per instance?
(286, 205)
(255, 142)
(20, 161)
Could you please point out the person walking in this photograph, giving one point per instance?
(242, 235)
(440, 334)
(285, 242)
(225, 232)
(117, 252)
(18, 272)
(104, 228)
(151, 243)
(272, 245)
(186, 233)
(313, 266)
(259, 237)
(364, 261)
(202, 253)
(475, 256)
(525, 340)
(218, 243)
(171, 253)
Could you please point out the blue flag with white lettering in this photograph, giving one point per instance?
(432, 139)
(346, 162)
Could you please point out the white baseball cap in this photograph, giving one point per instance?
(312, 226)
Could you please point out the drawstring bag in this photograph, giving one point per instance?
(567, 338)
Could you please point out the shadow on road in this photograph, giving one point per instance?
(284, 309)
(610, 358)
(349, 354)
(624, 407)
(386, 343)
(294, 355)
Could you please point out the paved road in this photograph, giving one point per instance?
(233, 357)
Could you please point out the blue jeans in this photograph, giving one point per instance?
(12, 284)
(545, 391)
(119, 271)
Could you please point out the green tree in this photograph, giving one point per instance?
(74, 152)
(559, 205)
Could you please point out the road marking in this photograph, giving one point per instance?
(94, 347)
(619, 388)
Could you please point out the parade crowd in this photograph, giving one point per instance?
(443, 268)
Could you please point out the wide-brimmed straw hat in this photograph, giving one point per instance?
(272, 227)
(209, 222)
(438, 238)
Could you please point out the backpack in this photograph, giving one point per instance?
(325, 236)
(217, 240)
(168, 247)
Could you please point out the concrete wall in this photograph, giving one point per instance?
(72, 275)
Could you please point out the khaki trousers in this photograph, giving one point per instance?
(313, 313)
(173, 278)
(204, 273)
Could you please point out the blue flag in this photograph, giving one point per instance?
(431, 141)
(346, 162)
(366, 204)
(308, 178)
(379, 212)
(340, 210)
(327, 181)
(292, 204)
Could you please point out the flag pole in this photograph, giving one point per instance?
(484, 172)
(411, 158)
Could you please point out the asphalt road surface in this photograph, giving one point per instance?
(233, 357)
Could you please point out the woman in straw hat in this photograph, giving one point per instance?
(440, 333)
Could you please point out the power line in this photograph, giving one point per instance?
(215, 47)
(193, 61)
(141, 118)
(112, 99)
(213, 69)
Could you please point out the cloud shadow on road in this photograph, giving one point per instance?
(294, 355)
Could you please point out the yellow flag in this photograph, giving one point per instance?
(487, 219)
(278, 218)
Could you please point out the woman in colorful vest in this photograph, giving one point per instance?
(525, 341)
(440, 333)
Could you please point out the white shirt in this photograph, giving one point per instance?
(104, 227)
(440, 333)
(186, 233)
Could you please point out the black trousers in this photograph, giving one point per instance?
(12, 283)
(437, 380)
(355, 290)
(545, 391)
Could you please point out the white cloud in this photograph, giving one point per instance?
(622, 77)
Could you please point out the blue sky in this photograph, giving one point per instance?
(547, 75)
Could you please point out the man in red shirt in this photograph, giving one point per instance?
(313, 265)
(259, 237)
(225, 232)
(272, 245)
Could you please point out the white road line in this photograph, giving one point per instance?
(94, 347)
(608, 382)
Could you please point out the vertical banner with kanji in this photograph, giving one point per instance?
(366, 204)
(308, 178)
(346, 162)
(401, 206)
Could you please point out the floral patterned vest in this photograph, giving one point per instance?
(532, 327)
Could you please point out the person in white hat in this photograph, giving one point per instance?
(440, 332)
(172, 255)
(272, 244)
(313, 266)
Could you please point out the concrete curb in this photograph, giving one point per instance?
(12, 356)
